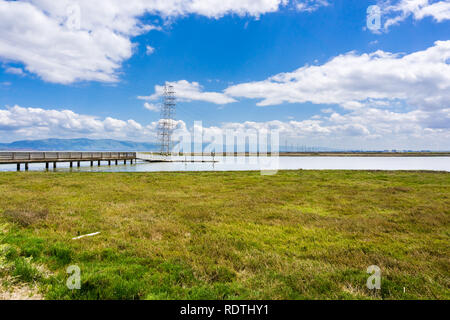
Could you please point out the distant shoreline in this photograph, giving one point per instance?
(336, 154)
(366, 154)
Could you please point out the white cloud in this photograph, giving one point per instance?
(371, 87)
(422, 79)
(311, 5)
(397, 11)
(151, 107)
(56, 53)
(366, 127)
(66, 41)
(190, 91)
(13, 70)
(35, 123)
(219, 8)
(149, 50)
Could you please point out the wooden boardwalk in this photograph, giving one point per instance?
(26, 158)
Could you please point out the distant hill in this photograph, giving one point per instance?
(112, 145)
(78, 145)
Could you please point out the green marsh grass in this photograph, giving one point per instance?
(228, 235)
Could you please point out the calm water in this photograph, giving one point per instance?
(253, 163)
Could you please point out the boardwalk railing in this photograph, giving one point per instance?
(48, 157)
(13, 157)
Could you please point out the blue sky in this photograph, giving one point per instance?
(222, 61)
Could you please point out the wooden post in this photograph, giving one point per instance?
(117, 162)
(125, 161)
(54, 165)
(46, 166)
(78, 164)
(26, 166)
(18, 167)
(71, 164)
(92, 163)
(98, 162)
(109, 162)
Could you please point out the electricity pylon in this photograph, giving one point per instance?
(166, 123)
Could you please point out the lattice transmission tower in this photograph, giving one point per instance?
(166, 123)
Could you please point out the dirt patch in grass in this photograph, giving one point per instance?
(19, 292)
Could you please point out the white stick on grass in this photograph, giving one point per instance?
(86, 235)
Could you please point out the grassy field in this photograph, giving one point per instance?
(227, 235)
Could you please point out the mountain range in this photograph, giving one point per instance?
(77, 145)
(84, 144)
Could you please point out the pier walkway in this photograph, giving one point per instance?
(48, 158)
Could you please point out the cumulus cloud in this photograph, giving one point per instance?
(151, 107)
(190, 91)
(66, 41)
(35, 123)
(422, 79)
(367, 127)
(370, 87)
(399, 10)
